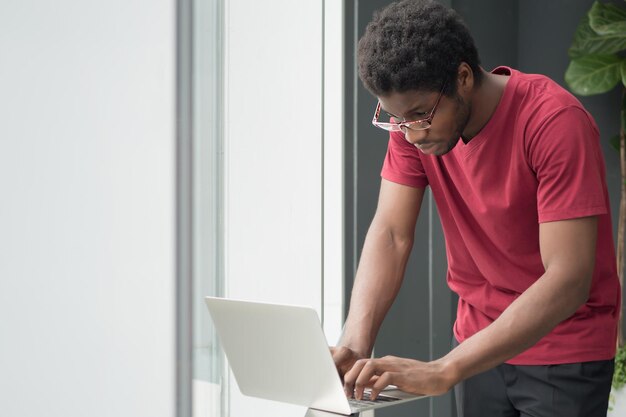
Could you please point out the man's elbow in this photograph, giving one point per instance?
(581, 287)
(400, 239)
(575, 284)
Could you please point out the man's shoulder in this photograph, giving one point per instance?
(539, 99)
(543, 95)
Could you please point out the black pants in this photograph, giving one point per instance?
(569, 390)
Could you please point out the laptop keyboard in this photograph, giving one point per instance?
(366, 402)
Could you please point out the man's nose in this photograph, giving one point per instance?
(415, 136)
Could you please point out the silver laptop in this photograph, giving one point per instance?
(280, 353)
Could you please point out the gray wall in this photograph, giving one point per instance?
(532, 36)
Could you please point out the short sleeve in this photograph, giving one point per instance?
(565, 154)
(403, 164)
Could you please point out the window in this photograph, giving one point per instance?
(208, 373)
(265, 198)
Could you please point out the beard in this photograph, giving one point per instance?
(463, 112)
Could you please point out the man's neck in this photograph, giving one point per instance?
(484, 103)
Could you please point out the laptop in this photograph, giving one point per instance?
(279, 352)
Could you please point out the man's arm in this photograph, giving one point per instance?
(381, 270)
(568, 254)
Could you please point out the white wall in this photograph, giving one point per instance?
(87, 213)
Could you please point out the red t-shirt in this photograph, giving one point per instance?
(538, 159)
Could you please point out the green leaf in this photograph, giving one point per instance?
(624, 72)
(619, 374)
(614, 141)
(607, 19)
(587, 41)
(593, 74)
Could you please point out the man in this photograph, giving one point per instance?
(516, 170)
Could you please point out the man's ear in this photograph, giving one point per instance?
(464, 79)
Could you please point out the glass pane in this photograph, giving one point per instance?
(208, 363)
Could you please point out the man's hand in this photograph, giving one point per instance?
(421, 378)
(344, 358)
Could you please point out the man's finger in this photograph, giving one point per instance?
(382, 382)
(371, 368)
(392, 363)
(350, 377)
(372, 381)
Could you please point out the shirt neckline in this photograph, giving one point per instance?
(495, 119)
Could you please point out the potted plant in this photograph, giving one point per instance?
(598, 64)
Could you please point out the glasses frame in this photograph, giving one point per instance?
(425, 123)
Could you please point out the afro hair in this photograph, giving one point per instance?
(415, 45)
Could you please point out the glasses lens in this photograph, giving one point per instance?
(389, 123)
(419, 125)
(392, 127)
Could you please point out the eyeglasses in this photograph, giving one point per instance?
(421, 124)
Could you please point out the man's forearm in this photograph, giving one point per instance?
(546, 303)
(377, 282)
(533, 315)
